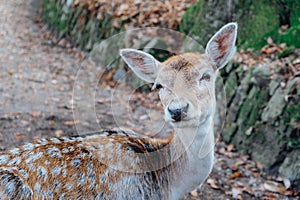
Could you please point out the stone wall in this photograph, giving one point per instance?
(77, 24)
(263, 115)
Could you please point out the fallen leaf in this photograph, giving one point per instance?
(230, 147)
(52, 122)
(274, 187)
(59, 133)
(194, 193)
(270, 40)
(69, 123)
(35, 113)
(236, 192)
(21, 136)
(259, 165)
(272, 196)
(24, 122)
(249, 131)
(212, 183)
(10, 72)
(235, 175)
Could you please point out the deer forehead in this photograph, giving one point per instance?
(184, 68)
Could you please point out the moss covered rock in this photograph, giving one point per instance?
(77, 23)
(257, 21)
(263, 115)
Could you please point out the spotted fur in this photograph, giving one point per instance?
(45, 168)
(77, 167)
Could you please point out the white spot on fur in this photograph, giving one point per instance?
(4, 159)
(42, 173)
(55, 140)
(15, 151)
(15, 161)
(34, 157)
(56, 171)
(23, 173)
(37, 188)
(43, 141)
(28, 147)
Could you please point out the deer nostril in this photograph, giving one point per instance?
(179, 113)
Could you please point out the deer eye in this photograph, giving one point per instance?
(156, 86)
(205, 77)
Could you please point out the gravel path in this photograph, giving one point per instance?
(34, 76)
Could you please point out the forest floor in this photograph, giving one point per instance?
(45, 91)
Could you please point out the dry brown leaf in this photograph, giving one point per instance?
(212, 183)
(259, 165)
(35, 113)
(235, 175)
(24, 122)
(248, 190)
(272, 196)
(230, 147)
(103, 101)
(69, 123)
(52, 122)
(139, 13)
(234, 167)
(21, 136)
(274, 187)
(194, 193)
(9, 72)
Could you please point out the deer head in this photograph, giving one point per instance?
(186, 82)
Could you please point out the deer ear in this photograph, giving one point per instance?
(142, 64)
(221, 46)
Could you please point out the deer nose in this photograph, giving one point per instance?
(178, 113)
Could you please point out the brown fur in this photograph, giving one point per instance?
(92, 153)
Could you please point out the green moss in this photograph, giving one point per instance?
(228, 132)
(258, 135)
(160, 54)
(255, 108)
(261, 19)
(250, 111)
(77, 24)
(294, 144)
(295, 14)
(244, 113)
(55, 17)
(230, 86)
(292, 113)
(286, 52)
(49, 12)
(291, 37)
(258, 20)
(188, 19)
(285, 12)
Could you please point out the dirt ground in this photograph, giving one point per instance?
(45, 92)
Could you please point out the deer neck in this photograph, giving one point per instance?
(197, 161)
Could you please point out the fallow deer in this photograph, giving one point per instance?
(125, 165)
